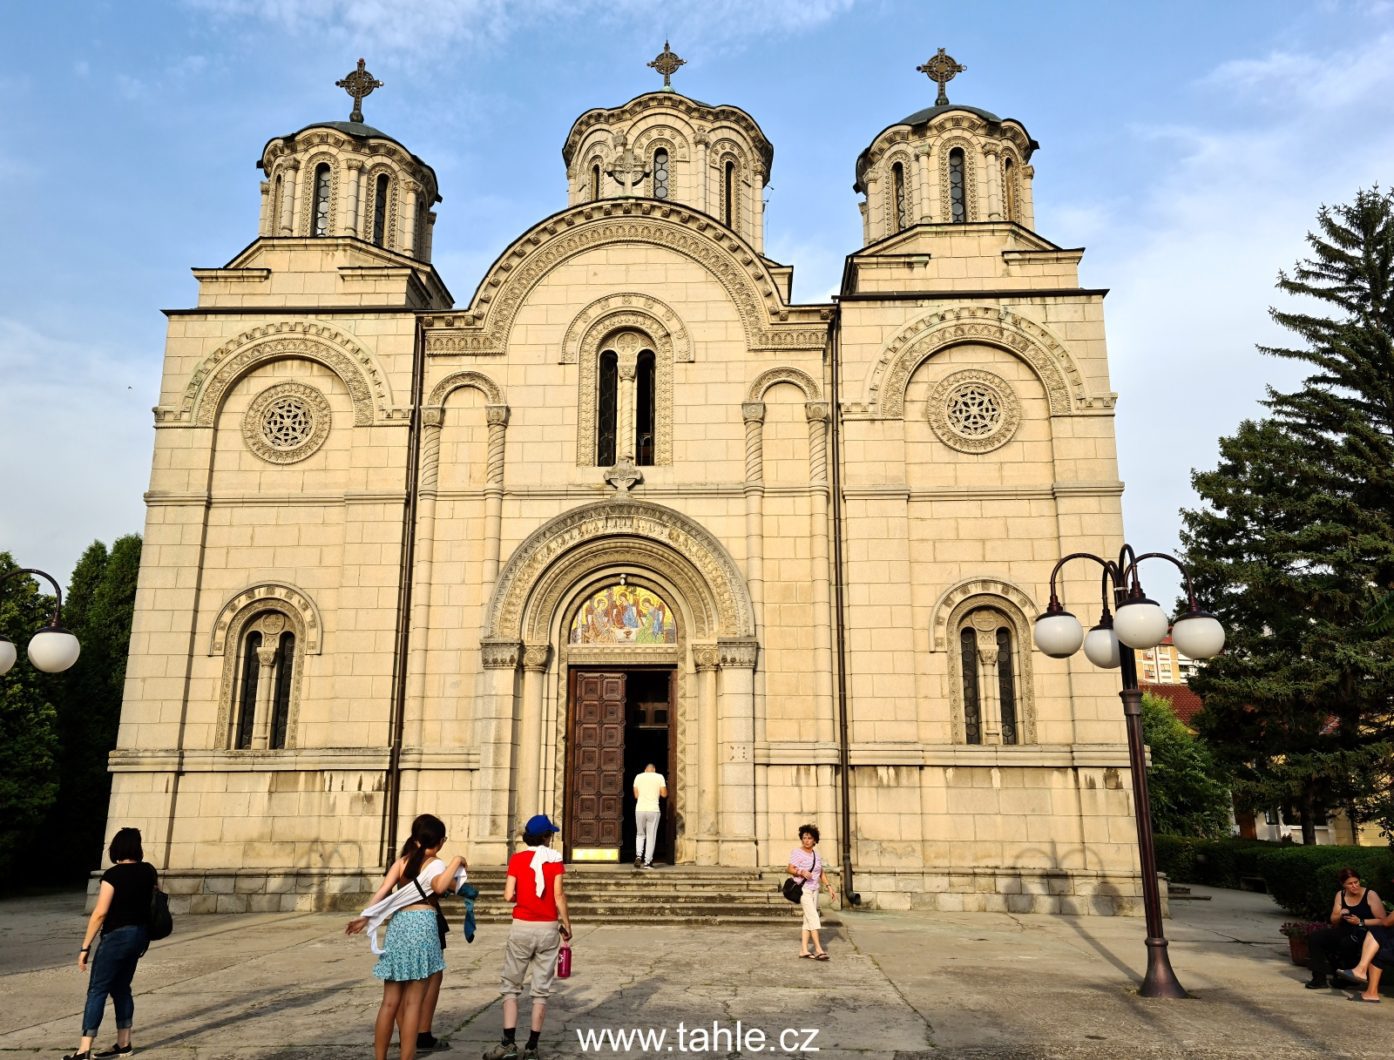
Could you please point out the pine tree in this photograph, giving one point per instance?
(1295, 547)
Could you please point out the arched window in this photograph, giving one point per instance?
(1009, 190)
(644, 410)
(607, 412)
(1006, 684)
(660, 174)
(595, 182)
(246, 694)
(972, 705)
(898, 210)
(384, 186)
(728, 195)
(958, 201)
(319, 213)
(280, 705)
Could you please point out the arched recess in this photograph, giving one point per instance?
(599, 337)
(544, 570)
(626, 309)
(285, 597)
(478, 380)
(767, 379)
(1047, 357)
(366, 382)
(1018, 611)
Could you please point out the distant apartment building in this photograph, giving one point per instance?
(1164, 665)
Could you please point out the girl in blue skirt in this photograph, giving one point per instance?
(412, 954)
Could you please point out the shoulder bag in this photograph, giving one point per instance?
(161, 922)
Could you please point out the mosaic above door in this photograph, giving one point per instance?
(624, 614)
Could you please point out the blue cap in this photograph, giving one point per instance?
(540, 825)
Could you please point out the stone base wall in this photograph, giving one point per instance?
(260, 890)
(1006, 891)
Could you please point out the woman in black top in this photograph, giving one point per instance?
(123, 917)
(1338, 946)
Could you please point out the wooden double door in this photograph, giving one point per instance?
(618, 722)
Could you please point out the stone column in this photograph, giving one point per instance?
(628, 368)
(989, 692)
(422, 580)
(707, 661)
(819, 532)
(992, 165)
(410, 219)
(757, 209)
(736, 728)
(430, 235)
(348, 218)
(535, 660)
(497, 418)
(875, 209)
(495, 693)
(266, 687)
(754, 414)
(1028, 204)
(924, 201)
(286, 222)
(265, 222)
(702, 188)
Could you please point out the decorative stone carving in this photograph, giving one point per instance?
(367, 384)
(738, 654)
(554, 557)
(287, 423)
(536, 657)
(497, 654)
(984, 611)
(306, 223)
(706, 657)
(996, 326)
(277, 595)
(478, 380)
(800, 379)
(986, 587)
(626, 309)
(627, 344)
(753, 411)
(974, 411)
(624, 476)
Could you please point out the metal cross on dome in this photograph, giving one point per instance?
(667, 63)
(941, 69)
(358, 83)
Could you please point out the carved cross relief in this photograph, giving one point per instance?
(628, 169)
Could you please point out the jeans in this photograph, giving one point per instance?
(645, 835)
(113, 968)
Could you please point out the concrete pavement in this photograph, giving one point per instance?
(905, 985)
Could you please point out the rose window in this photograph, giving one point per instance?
(974, 411)
(286, 423)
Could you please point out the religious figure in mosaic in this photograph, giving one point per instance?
(624, 614)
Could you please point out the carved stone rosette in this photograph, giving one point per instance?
(974, 411)
(287, 423)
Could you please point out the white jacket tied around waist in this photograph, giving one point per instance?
(379, 912)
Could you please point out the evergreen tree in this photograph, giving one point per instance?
(28, 736)
(1188, 797)
(1295, 545)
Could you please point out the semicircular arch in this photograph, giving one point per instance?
(769, 378)
(456, 380)
(367, 384)
(567, 548)
(625, 309)
(979, 591)
(1042, 352)
(278, 596)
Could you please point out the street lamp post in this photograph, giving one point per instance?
(1137, 623)
(52, 649)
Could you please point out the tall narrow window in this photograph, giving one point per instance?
(380, 210)
(972, 707)
(1006, 685)
(246, 698)
(958, 202)
(319, 217)
(1009, 190)
(280, 705)
(898, 196)
(276, 205)
(607, 417)
(644, 411)
(728, 195)
(660, 174)
(595, 182)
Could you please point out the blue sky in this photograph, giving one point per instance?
(1186, 145)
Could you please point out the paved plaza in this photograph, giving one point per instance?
(901, 985)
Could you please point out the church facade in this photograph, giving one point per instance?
(630, 503)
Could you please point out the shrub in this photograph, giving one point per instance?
(1303, 879)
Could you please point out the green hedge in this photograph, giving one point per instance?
(1301, 879)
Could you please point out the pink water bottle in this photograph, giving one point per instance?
(564, 962)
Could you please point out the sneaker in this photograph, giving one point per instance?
(1316, 984)
(115, 1050)
(502, 1051)
(529, 1054)
(648, 864)
(86, 1054)
(638, 863)
(427, 1042)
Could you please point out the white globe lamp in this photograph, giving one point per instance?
(1198, 634)
(7, 655)
(1141, 623)
(53, 650)
(1101, 646)
(1059, 634)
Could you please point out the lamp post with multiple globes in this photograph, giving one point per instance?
(52, 649)
(1136, 622)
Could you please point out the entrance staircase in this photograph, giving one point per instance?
(680, 894)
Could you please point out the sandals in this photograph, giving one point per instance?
(820, 956)
(1362, 997)
(806, 956)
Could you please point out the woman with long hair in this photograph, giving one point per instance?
(411, 957)
(122, 915)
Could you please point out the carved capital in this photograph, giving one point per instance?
(816, 411)
(496, 415)
(740, 654)
(706, 657)
(753, 411)
(500, 654)
(432, 417)
(354, 165)
(536, 657)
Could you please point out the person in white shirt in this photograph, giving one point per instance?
(649, 787)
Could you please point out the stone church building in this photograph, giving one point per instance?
(630, 503)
